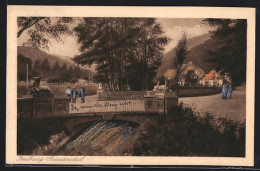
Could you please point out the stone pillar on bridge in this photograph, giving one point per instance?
(150, 103)
(170, 100)
(43, 105)
(158, 102)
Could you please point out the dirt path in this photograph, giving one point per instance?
(234, 108)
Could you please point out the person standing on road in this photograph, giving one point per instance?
(224, 95)
(229, 90)
(68, 92)
(74, 95)
(82, 94)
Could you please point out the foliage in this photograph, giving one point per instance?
(73, 81)
(46, 66)
(190, 78)
(65, 76)
(126, 50)
(181, 133)
(180, 56)
(197, 91)
(37, 68)
(33, 133)
(53, 80)
(40, 29)
(58, 74)
(22, 68)
(56, 70)
(76, 72)
(231, 56)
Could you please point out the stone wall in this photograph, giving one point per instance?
(42, 106)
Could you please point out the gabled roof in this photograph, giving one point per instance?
(212, 75)
(191, 66)
(170, 74)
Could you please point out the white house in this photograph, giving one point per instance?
(185, 68)
(212, 78)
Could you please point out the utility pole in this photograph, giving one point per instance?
(27, 75)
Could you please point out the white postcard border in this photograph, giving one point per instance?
(160, 12)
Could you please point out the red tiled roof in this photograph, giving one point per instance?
(170, 74)
(212, 75)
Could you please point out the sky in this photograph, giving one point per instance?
(172, 27)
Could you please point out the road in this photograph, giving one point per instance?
(234, 108)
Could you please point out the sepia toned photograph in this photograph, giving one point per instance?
(133, 86)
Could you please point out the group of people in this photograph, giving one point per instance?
(74, 93)
(226, 91)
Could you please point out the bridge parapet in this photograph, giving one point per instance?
(42, 106)
(47, 106)
(122, 95)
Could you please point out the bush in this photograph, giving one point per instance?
(33, 133)
(53, 80)
(73, 81)
(181, 133)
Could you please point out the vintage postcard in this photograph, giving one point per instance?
(130, 85)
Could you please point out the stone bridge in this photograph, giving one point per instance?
(129, 106)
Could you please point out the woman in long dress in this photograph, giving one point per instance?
(224, 94)
(229, 90)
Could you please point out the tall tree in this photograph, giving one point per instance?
(41, 29)
(37, 68)
(231, 56)
(180, 56)
(46, 66)
(116, 44)
(56, 69)
(76, 72)
(191, 78)
(65, 75)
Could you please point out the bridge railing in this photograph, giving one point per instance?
(43, 106)
(127, 102)
(122, 95)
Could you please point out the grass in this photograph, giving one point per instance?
(181, 133)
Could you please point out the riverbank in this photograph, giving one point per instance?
(182, 133)
(39, 137)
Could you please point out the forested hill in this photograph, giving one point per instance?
(37, 54)
(198, 54)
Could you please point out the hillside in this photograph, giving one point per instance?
(37, 54)
(168, 57)
(198, 54)
(69, 59)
